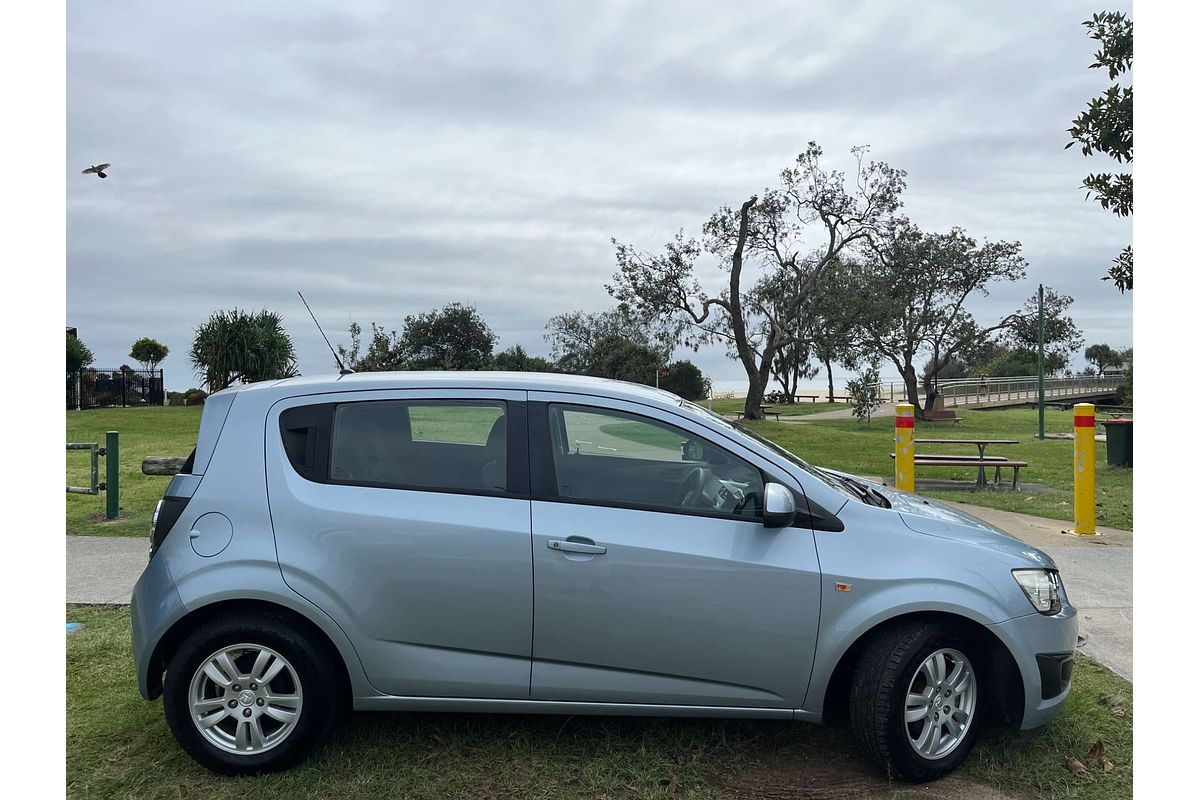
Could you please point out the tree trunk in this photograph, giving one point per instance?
(929, 381)
(795, 387)
(829, 372)
(910, 388)
(754, 397)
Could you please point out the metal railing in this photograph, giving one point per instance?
(109, 388)
(973, 391)
(111, 485)
(968, 391)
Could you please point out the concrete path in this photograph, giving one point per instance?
(1099, 582)
(103, 569)
(1097, 572)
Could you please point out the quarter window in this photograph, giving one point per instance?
(456, 445)
(609, 456)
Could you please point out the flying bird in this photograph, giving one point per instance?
(97, 169)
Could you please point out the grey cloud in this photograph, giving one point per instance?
(387, 158)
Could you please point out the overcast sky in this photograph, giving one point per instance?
(387, 158)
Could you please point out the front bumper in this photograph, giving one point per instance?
(1044, 649)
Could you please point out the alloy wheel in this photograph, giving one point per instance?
(940, 705)
(245, 699)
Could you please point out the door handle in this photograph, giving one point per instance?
(569, 546)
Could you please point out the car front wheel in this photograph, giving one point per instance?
(916, 701)
(249, 695)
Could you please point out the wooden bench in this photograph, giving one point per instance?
(942, 415)
(765, 411)
(981, 481)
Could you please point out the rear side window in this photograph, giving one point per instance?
(452, 445)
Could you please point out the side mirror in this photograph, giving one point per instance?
(779, 507)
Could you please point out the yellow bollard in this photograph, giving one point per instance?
(905, 471)
(1085, 470)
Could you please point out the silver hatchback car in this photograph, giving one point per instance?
(522, 542)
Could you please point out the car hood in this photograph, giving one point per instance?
(935, 518)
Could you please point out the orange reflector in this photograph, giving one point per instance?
(843, 587)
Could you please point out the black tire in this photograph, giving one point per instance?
(312, 662)
(878, 692)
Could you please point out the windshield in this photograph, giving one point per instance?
(746, 433)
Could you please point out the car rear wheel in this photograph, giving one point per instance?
(247, 695)
(916, 701)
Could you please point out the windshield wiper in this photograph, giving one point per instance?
(864, 492)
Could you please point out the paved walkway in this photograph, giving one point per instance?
(103, 569)
(1097, 572)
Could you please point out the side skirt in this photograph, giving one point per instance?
(493, 706)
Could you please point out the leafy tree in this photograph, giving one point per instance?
(573, 336)
(686, 380)
(1062, 337)
(515, 359)
(1126, 356)
(78, 354)
(454, 337)
(148, 352)
(239, 346)
(864, 391)
(384, 352)
(1008, 363)
(912, 294)
(774, 297)
(194, 397)
(763, 234)
(622, 359)
(1103, 356)
(1106, 126)
(829, 318)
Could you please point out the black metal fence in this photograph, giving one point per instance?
(109, 388)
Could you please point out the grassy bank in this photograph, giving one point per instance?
(119, 746)
(151, 431)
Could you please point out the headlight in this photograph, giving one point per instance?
(1042, 587)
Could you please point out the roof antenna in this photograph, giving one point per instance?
(341, 367)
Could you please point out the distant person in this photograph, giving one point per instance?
(983, 387)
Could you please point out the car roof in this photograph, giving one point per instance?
(490, 379)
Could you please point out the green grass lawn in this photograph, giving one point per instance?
(732, 405)
(863, 449)
(119, 746)
(150, 431)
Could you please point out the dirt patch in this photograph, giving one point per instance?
(822, 774)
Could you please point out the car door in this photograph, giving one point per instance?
(647, 593)
(404, 515)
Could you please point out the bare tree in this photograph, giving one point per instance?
(764, 234)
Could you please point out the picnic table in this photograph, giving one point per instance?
(984, 461)
(765, 410)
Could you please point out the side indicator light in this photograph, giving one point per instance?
(842, 587)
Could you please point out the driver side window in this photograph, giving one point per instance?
(609, 456)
